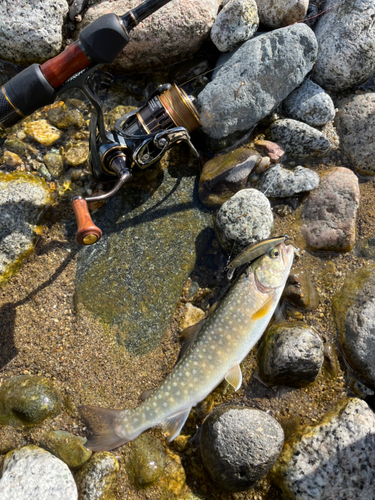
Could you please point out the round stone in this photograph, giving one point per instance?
(279, 182)
(69, 448)
(95, 480)
(147, 460)
(239, 446)
(244, 219)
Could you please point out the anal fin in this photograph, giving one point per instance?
(174, 424)
(234, 377)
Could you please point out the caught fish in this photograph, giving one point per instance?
(252, 252)
(223, 341)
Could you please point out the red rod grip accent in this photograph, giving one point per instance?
(68, 63)
(87, 233)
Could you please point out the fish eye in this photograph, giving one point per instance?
(274, 253)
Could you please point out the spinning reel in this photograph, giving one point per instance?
(140, 138)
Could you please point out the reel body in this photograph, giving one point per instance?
(140, 138)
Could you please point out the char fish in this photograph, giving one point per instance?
(224, 340)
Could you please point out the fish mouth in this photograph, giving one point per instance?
(288, 250)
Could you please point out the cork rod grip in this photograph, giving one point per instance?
(87, 233)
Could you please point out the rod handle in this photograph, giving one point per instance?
(87, 233)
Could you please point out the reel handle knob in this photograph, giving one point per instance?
(87, 233)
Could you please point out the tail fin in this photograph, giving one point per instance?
(102, 424)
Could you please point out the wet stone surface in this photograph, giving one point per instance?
(95, 480)
(155, 230)
(67, 447)
(147, 461)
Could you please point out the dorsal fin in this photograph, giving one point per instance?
(189, 335)
(146, 394)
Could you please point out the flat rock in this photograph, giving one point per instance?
(298, 139)
(281, 13)
(334, 459)
(31, 31)
(346, 38)
(356, 128)
(171, 34)
(239, 446)
(279, 182)
(24, 199)
(32, 473)
(235, 23)
(309, 104)
(244, 219)
(290, 354)
(225, 174)
(329, 213)
(260, 74)
(67, 447)
(354, 308)
(153, 233)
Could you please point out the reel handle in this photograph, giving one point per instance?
(87, 233)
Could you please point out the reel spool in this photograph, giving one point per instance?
(140, 138)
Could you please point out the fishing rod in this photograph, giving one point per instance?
(140, 138)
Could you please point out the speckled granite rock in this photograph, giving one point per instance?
(290, 354)
(224, 175)
(279, 182)
(171, 34)
(31, 31)
(239, 446)
(27, 400)
(309, 104)
(298, 139)
(329, 213)
(67, 447)
(95, 480)
(235, 23)
(354, 308)
(32, 473)
(152, 236)
(23, 201)
(243, 220)
(237, 97)
(346, 45)
(334, 459)
(356, 128)
(281, 13)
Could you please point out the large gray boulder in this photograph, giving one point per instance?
(255, 79)
(171, 34)
(346, 37)
(31, 30)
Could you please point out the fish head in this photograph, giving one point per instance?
(272, 269)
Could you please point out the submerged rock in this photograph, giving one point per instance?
(235, 23)
(279, 182)
(29, 33)
(147, 460)
(298, 139)
(291, 354)
(67, 447)
(224, 175)
(23, 201)
(95, 480)
(356, 128)
(32, 473)
(329, 213)
(54, 163)
(244, 219)
(153, 234)
(334, 459)
(255, 79)
(309, 104)
(27, 400)
(239, 446)
(300, 290)
(174, 32)
(354, 308)
(43, 132)
(345, 36)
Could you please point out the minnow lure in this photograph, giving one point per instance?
(226, 337)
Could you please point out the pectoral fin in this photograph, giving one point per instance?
(174, 424)
(234, 377)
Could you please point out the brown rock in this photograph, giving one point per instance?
(329, 212)
(271, 149)
(300, 290)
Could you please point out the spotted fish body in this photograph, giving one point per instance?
(223, 342)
